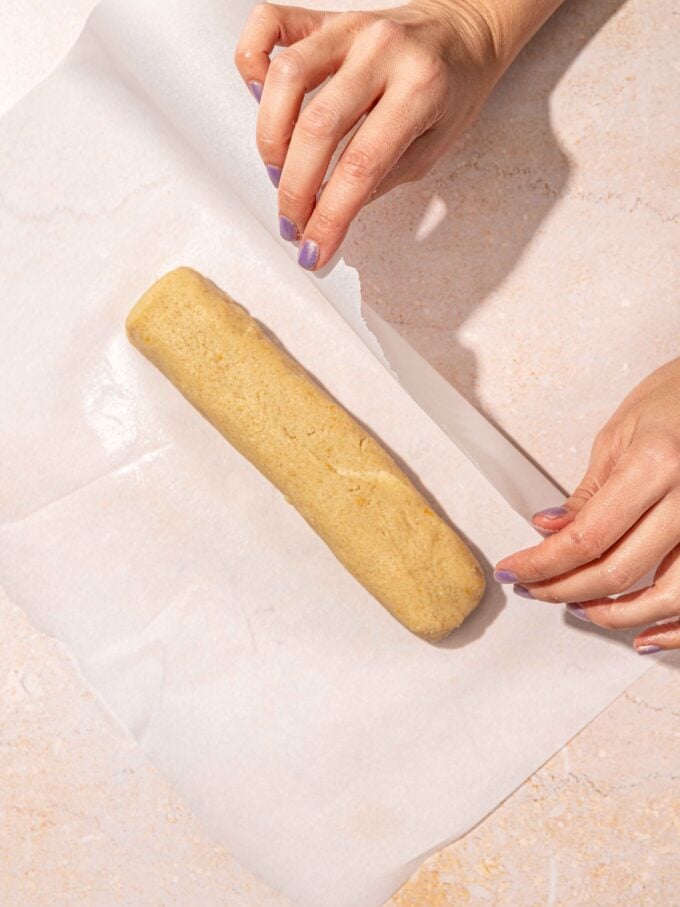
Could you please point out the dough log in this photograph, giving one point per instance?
(339, 478)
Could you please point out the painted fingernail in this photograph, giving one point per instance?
(504, 576)
(552, 513)
(309, 255)
(522, 591)
(579, 612)
(256, 90)
(287, 229)
(274, 174)
(648, 650)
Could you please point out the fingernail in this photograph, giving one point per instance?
(287, 229)
(256, 90)
(648, 650)
(552, 513)
(504, 576)
(522, 591)
(578, 611)
(309, 255)
(274, 174)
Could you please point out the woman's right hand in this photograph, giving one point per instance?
(419, 73)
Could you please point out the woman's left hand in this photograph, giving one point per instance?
(621, 522)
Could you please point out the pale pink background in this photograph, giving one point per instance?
(534, 268)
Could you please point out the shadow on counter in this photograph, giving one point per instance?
(456, 235)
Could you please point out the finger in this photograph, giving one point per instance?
(629, 491)
(666, 635)
(552, 519)
(600, 466)
(291, 75)
(374, 149)
(658, 639)
(319, 130)
(639, 551)
(270, 25)
(659, 601)
(633, 610)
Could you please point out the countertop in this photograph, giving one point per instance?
(544, 298)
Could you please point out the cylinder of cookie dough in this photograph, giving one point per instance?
(340, 479)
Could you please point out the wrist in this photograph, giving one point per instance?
(473, 23)
(496, 30)
(515, 22)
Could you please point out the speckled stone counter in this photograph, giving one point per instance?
(534, 267)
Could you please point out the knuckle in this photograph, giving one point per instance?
(360, 165)
(662, 453)
(325, 221)
(291, 199)
(385, 32)
(288, 66)
(321, 120)
(535, 568)
(588, 543)
(268, 145)
(617, 577)
(588, 488)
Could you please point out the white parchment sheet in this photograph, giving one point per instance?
(325, 745)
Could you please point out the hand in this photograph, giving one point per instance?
(621, 522)
(418, 73)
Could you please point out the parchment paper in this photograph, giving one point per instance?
(329, 748)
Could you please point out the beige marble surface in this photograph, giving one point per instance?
(541, 281)
(598, 824)
(536, 266)
(86, 820)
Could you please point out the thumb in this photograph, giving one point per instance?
(600, 466)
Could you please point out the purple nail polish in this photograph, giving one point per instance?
(308, 256)
(648, 650)
(287, 229)
(504, 576)
(274, 174)
(522, 591)
(256, 90)
(552, 513)
(579, 612)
